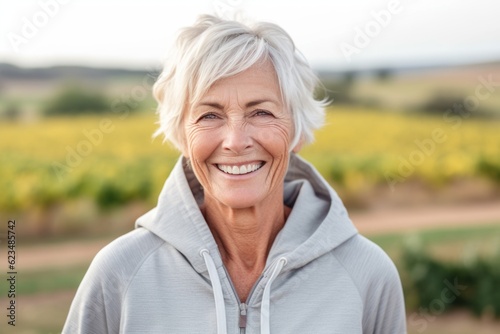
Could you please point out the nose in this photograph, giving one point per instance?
(237, 138)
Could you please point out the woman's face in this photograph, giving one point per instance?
(237, 138)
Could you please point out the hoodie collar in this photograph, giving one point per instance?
(318, 222)
(177, 218)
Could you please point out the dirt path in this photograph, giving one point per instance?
(416, 219)
(369, 223)
(59, 255)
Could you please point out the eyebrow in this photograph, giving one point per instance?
(247, 105)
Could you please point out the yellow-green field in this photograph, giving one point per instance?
(113, 160)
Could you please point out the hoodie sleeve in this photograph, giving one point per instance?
(379, 286)
(384, 305)
(96, 306)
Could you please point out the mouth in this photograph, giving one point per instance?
(241, 169)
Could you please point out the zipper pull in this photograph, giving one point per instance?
(243, 316)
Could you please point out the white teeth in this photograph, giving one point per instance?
(235, 170)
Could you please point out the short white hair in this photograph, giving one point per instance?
(214, 48)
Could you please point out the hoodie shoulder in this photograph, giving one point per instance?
(370, 258)
(127, 252)
(378, 283)
(97, 305)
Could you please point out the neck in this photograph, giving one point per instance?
(245, 236)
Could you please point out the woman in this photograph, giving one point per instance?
(246, 237)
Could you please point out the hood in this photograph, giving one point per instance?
(317, 224)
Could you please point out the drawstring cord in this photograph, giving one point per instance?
(266, 297)
(220, 307)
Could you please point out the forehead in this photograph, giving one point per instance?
(258, 81)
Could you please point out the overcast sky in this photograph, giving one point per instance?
(330, 33)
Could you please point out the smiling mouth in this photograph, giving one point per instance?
(240, 170)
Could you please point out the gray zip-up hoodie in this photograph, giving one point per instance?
(167, 275)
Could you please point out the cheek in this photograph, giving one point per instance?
(198, 143)
(275, 138)
(199, 146)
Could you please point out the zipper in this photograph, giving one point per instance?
(243, 318)
(242, 322)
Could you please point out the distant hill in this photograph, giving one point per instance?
(12, 72)
(328, 74)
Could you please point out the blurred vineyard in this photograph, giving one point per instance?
(64, 172)
(374, 152)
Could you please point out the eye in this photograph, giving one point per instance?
(262, 113)
(208, 116)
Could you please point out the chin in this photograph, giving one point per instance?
(239, 199)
